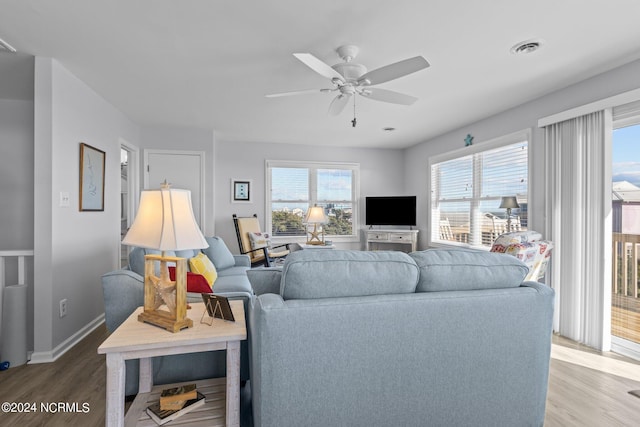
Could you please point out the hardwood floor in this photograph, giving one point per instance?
(585, 388)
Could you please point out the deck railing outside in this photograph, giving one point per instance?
(625, 297)
(625, 265)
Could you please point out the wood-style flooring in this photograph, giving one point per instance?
(586, 388)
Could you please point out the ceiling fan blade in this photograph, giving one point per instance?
(318, 66)
(297, 92)
(393, 71)
(385, 95)
(338, 104)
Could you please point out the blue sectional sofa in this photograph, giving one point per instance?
(434, 338)
(123, 292)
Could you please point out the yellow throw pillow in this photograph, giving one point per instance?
(201, 264)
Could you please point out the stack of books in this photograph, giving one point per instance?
(175, 402)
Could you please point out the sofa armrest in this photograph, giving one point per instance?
(242, 260)
(265, 280)
(123, 292)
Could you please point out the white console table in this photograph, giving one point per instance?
(409, 237)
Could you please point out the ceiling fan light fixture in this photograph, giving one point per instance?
(528, 46)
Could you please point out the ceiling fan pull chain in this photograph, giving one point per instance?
(353, 122)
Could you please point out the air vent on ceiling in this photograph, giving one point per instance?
(528, 46)
(6, 47)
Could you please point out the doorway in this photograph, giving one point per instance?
(129, 188)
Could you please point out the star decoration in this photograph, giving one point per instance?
(468, 140)
(165, 293)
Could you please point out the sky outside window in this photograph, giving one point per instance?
(626, 154)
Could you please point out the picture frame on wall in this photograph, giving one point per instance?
(241, 190)
(92, 163)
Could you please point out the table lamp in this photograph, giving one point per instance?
(165, 222)
(315, 215)
(508, 203)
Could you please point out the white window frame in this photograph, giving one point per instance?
(512, 138)
(314, 166)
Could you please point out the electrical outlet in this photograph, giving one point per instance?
(63, 307)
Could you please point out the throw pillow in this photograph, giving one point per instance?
(201, 264)
(259, 240)
(195, 282)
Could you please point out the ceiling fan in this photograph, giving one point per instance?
(350, 78)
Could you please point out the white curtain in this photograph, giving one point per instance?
(578, 221)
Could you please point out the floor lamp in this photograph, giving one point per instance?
(165, 222)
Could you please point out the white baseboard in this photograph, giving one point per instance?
(625, 347)
(66, 345)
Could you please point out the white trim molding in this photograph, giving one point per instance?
(66, 345)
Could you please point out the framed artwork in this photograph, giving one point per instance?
(92, 163)
(241, 190)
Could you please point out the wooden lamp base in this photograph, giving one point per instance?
(315, 237)
(159, 291)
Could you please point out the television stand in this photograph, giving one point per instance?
(391, 236)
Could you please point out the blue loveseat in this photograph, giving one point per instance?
(434, 338)
(123, 292)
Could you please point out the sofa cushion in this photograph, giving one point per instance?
(464, 270)
(201, 264)
(218, 253)
(313, 274)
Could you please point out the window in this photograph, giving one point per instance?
(467, 187)
(292, 187)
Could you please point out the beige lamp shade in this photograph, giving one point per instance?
(509, 202)
(315, 215)
(165, 221)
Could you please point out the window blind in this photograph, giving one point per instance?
(467, 191)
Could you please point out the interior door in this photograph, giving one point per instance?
(181, 169)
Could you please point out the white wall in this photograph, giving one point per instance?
(381, 173)
(73, 248)
(417, 178)
(16, 174)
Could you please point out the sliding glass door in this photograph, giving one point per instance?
(625, 299)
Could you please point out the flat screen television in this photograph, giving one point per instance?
(390, 210)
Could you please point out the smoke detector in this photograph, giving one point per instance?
(528, 46)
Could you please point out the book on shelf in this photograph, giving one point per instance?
(162, 417)
(175, 397)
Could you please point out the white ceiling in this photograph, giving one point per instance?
(209, 63)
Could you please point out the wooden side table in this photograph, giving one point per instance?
(137, 340)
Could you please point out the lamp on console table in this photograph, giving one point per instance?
(165, 222)
(315, 215)
(508, 203)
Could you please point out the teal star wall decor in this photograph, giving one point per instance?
(468, 140)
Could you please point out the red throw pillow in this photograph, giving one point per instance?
(195, 282)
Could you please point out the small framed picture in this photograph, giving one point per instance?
(217, 307)
(92, 163)
(241, 190)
